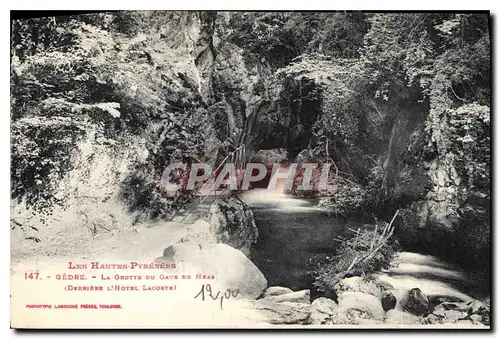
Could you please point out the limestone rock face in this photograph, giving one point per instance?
(269, 157)
(442, 201)
(240, 83)
(323, 311)
(232, 223)
(230, 267)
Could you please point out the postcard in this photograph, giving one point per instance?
(214, 169)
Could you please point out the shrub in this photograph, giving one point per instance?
(330, 270)
(84, 77)
(346, 198)
(143, 194)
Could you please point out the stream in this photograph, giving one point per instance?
(293, 231)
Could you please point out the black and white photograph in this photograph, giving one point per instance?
(206, 169)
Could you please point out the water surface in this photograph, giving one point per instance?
(294, 233)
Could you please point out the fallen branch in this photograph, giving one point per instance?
(393, 218)
(376, 244)
(373, 242)
(356, 240)
(352, 264)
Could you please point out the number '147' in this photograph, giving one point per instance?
(32, 276)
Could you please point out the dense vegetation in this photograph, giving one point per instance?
(332, 269)
(405, 118)
(399, 102)
(102, 80)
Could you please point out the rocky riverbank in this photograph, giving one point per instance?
(369, 304)
(360, 300)
(385, 299)
(366, 303)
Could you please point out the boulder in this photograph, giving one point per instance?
(231, 268)
(232, 223)
(431, 319)
(417, 302)
(201, 224)
(441, 308)
(198, 233)
(439, 299)
(276, 290)
(356, 317)
(452, 316)
(388, 301)
(303, 296)
(451, 312)
(284, 313)
(477, 307)
(357, 284)
(384, 285)
(476, 319)
(356, 305)
(397, 317)
(323, 311)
